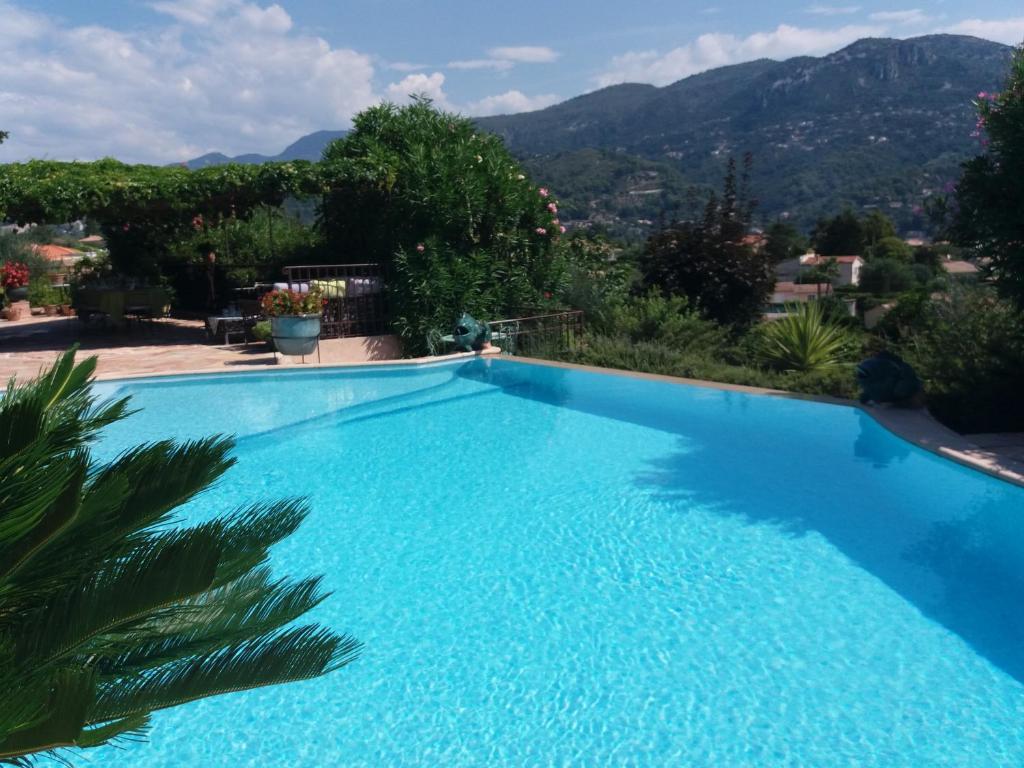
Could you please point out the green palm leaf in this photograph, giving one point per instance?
(108, 610)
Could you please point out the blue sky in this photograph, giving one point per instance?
(165, 80)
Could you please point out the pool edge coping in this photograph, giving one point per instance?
(916, 426)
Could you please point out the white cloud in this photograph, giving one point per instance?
(716, 50)
(910, 16)
(833, 10)
(510, 102)
(432, 86)
(527, 54)
(496, 64)
(225, 74)
(405, 66)
(420, 84)
(1009, 31)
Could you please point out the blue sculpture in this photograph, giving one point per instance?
(887, 378)
(471, 334)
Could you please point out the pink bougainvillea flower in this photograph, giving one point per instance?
(562, 229)
(420, 247)
(543, 191)
(552, 207)
(982, 95)
(541, 231)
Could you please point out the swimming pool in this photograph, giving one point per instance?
(560, 567)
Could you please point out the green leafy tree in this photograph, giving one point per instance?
(892, 248)
(784, 241)
(107, 611)
(706, 260)
(886, 276)
(447, 211)
(876, 227)
(842, 235)
(989, 216)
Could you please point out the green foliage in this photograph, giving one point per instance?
(892, 248)
(990, 197)
(670, 322)
(446, 211)
(108, 611)
(262, 331)
(887, 276)
(784, 241)
(842, 235)
(802, 341)
(706, 260)
(968, 348)
(597, 280)
(607, 352)
(41, 293)
(144, 209)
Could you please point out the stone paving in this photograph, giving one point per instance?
(162, 346)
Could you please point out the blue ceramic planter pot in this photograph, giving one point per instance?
(17, 294)
(295, 334)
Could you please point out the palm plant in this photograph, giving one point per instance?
(107, 610)
(802, 341)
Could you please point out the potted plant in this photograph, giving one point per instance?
(14, 278)
(11, 311)
(294, 320)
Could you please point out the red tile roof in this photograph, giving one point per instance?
(55, 252)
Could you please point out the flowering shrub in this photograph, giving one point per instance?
(14, 274)
(447, 212)
(280, 303)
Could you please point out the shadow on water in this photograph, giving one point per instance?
(958, 559)
(946, 539)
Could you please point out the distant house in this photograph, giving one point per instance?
(963, 269)
(787, 293)
(849, 267)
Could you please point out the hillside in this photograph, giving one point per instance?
(879, 123)
(309, 147)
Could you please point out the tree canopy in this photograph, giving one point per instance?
(707, 261)
(989, 215)
(446, 210)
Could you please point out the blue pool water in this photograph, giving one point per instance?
(554, 567)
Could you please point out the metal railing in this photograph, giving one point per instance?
(354, 303)
(542, 335)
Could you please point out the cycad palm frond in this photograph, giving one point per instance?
(107, 611)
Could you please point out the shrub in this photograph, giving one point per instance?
(669, 321)
(606, 352)
(262, 331)
(447, 212)
(891, 248)
(803, 340)
(968, 348)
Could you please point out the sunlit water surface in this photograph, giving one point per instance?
(552, 567)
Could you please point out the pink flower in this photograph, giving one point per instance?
(982, 95)
(555, 222)
(543, 191)
(420, 247)
(540, 231)
(552, 207)
(562, 229)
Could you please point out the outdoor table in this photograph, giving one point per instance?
(226, 324)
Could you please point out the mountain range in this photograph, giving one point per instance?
(882, 123)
